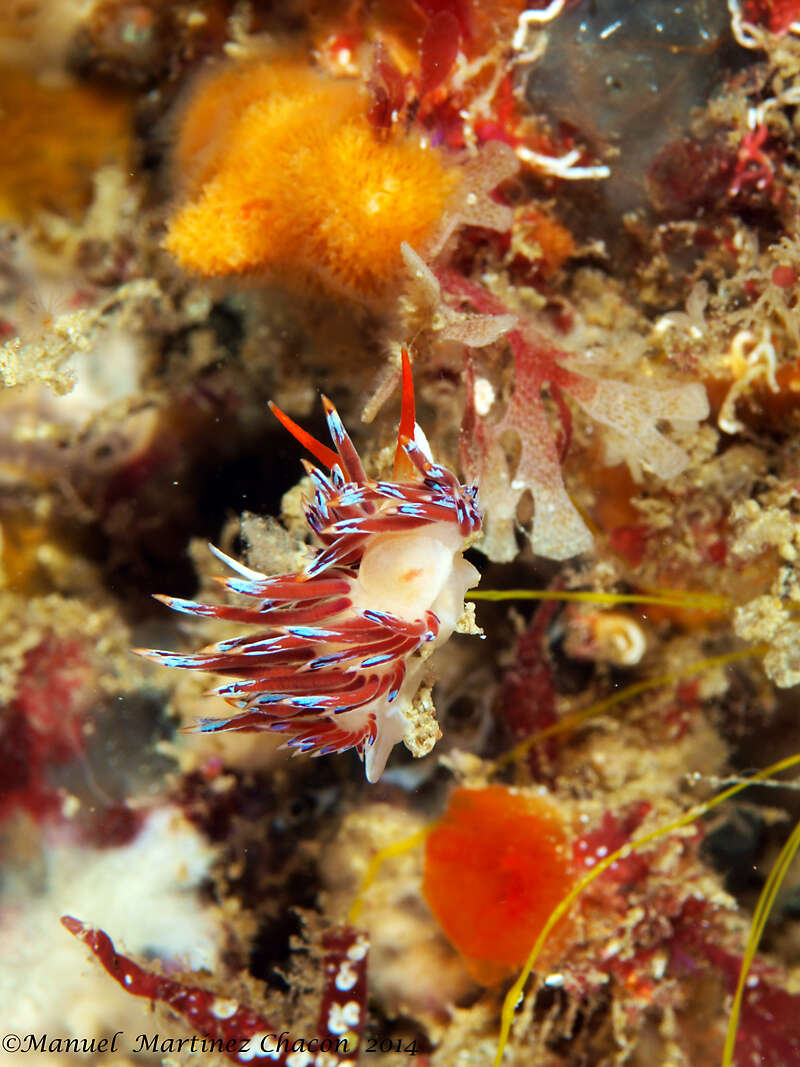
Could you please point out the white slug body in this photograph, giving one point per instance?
(408, 575)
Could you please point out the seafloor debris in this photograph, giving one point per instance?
(581, 220)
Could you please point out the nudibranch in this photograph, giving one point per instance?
(341, 648)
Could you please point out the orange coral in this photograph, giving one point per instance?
(285, 176)
(496, 865)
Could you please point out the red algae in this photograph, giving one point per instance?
(496, 865)
(529, 696)
(238, 1031)
(775, 15)
(43, 726)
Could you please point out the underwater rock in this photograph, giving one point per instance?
(626, 76)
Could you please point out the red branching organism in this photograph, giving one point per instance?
(539, 365)
(753, 166)
(339, 655)
(775, 15)
(438, 49)
(528, 694)
(240, 1032)
(768, 1034)
(389, 90)
(614, 830)
(43, 724)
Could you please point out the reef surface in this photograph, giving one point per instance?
(580, 222)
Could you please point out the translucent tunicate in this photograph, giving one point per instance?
(627, 76)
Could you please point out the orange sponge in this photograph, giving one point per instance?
(496, 865)
(285, 176)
